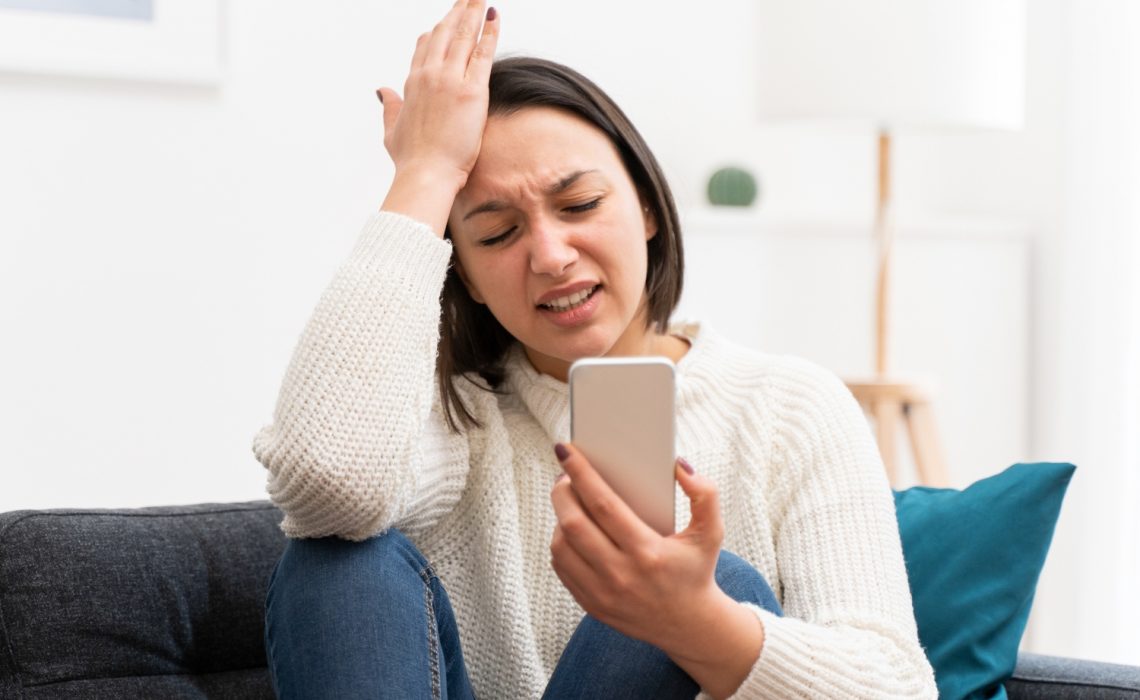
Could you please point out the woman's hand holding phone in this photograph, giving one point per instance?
(434, 131)
(661, 590)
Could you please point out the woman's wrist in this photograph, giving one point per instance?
(722, 645)
(425, 194)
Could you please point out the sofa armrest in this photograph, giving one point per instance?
(1041, 677)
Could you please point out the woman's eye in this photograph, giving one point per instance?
(580, 208)
(499, 238)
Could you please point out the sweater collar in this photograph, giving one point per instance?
(548, 399)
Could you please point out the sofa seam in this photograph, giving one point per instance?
(141, 675)
(11, 654)
(1074, 683)
(12, 661)
(22, 518)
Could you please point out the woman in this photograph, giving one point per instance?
(418, 448)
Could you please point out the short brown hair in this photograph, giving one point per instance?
(471, 339)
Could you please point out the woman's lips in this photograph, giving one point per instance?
(552, 298)
(576, 315)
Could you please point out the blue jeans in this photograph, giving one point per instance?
(371, 620)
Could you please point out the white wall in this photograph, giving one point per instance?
(1089, 343)
(161, 246)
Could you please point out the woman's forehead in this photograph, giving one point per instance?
(532, 133)
(537, 148)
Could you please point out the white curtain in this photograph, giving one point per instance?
(1087, 402)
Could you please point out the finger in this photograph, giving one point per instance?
(441, 34)
(705, 523)
(607, 509)
(573, 571)
(392, 104)
(421, 50)
(466, 34)
(581, 533)
(483, 55)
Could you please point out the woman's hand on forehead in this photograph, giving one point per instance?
(434, 131)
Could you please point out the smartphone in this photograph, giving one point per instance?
(622, 419)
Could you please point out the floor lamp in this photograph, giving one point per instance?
(888, 64)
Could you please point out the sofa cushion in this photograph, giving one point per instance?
(1040, 677)
(153, 602)
(973, 558)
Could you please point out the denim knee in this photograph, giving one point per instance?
(741, 582)
(331, 564)
(358, 619)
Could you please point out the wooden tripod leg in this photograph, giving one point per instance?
(887, 414)
(928, 461)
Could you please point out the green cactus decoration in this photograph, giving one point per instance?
(734, 187)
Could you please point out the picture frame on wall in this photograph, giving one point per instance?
(166, 41)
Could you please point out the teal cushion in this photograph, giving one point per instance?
(973, 557)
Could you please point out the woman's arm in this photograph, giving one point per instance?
(355, 407)
(849, 628)
(358, 443)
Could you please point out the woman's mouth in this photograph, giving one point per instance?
(570, 301)
(573, 309)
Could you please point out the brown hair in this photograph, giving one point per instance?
(470, 338)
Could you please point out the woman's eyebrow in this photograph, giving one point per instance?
(488, 206)
(562, 185)
(566, 182)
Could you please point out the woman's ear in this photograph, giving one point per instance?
(467, 282)
(650, 220)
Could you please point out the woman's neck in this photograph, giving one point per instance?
(651, 343)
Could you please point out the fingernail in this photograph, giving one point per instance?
(380, 95)
(561, 452)
(560, 477)
(685, 465)
(492, 13)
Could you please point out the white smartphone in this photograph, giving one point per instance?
(622, 419)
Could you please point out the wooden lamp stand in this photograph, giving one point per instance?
(891, 400)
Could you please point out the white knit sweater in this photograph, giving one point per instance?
(358, 444)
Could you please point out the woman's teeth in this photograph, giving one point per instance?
(571, 301)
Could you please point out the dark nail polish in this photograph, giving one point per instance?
(380, 95)
(492, 13)
(685, 465)
(561, 452)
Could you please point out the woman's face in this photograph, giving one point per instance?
(551, 235)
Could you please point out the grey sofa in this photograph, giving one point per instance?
(167, 603)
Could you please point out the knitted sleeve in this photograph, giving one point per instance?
(357, 443)
(849, 629)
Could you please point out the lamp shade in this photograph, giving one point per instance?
(893, 62)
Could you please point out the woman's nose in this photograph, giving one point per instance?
(551, 251)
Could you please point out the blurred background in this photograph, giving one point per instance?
(173, 199)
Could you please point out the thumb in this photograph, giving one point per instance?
(704, 505)
(392, 104)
